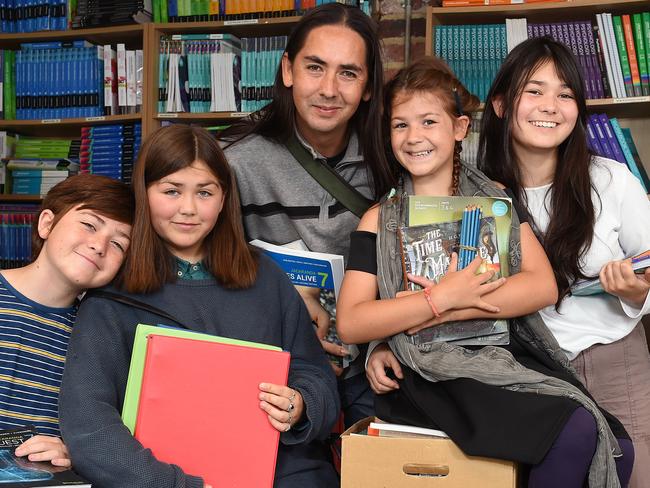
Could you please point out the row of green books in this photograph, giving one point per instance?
(234, 10)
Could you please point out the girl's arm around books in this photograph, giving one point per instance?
(361, 317)
(532, 289)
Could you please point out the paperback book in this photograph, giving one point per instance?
(640, 263)
(18, 472)
(433, 233)
(380, 428)
(316, 270)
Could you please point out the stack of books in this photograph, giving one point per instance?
(110, 150)
(38, 164)
(433, 232)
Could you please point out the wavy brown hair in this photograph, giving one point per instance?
(228, 257)
(428, 75)
(572, 214)
(106, 196)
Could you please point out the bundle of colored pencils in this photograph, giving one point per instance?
(469, 235)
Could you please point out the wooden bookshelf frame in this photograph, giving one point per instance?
(633, 112)
(136, 36)
(241, 28)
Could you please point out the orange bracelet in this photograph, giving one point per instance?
(427, 295)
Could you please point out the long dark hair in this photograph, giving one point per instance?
(572, 214)
(149, 264)
(277, 120)
(428, 75)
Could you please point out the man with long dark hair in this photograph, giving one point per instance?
(327, 104)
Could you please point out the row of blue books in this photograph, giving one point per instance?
(54, 80)
(110, 150)
(217, 72)
(15, 234)
(607, 138)
(473, 52)
(260, 61)
(33, 15)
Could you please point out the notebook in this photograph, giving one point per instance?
(199, 409)
(136, 367)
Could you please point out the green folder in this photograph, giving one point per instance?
(136, 368)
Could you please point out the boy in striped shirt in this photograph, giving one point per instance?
(79, 241)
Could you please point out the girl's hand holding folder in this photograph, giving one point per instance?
(619, 279)
(283, 404)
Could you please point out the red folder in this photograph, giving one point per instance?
(199, 409)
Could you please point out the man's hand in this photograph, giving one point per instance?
(321, 320)
(380, 359)
(45, 448)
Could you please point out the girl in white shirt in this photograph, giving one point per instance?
(591, 215)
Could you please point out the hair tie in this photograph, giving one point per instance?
(459, 105)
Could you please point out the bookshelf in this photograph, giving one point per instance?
(632, 112)
(271, 26)
(136, 36)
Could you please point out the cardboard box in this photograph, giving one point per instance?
(403, 462)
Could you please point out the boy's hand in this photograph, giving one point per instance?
(462, 289)
(45, 448)
(619, 279)
(382, 357)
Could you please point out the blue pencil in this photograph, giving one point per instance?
(464, 231)
(475, 232)
(470, 237)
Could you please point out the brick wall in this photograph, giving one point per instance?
(391, 31)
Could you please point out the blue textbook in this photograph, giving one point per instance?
(315, 270)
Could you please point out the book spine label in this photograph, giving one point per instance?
(619, 34)
(644, 74)
(631, 52)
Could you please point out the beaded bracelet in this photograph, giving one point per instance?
(427, 295)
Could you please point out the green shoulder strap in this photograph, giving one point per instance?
(329, 179)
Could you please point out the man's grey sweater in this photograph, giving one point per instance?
(282, 203)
